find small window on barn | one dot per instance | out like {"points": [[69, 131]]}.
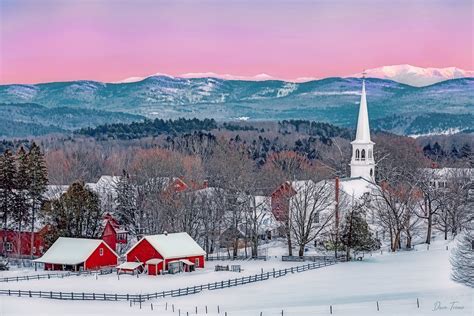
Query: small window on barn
{"points": [[101, 251], [34, 249], [196, 262], [8, 247]]}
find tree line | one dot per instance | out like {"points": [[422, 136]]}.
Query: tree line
{"points": [[23, 180]]}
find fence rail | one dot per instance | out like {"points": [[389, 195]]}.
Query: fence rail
{"points": [[310, 258], [56, 275], [172, 293], [228, 257]]}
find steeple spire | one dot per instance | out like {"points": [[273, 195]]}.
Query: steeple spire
{"points": [[362, 162], [363, 129]]}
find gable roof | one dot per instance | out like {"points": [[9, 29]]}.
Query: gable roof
{"points": [[176, 245], [356, 187], [71, 250]]}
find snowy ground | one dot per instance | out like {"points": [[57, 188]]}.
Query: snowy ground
{"points": [[394, 280]]}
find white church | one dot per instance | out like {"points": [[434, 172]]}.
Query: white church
{"points": [[349, 190]]}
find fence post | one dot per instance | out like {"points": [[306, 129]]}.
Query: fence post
{"points": [[151, 306], [281, 312], [206, 309], [166, 306], [330, 309], [172, 307], [378, 306], [218, 309], [417, 302]]}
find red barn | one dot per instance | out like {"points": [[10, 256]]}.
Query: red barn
{"points": [[18, 244], [171, 252], [113, 234], [78, 254], [281, 200]]}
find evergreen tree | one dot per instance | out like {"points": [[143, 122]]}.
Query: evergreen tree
{"points": [[76, 213], [355, 233], [37, 181], [22, 200], [7, 186], [462, 257], [126, 201]]}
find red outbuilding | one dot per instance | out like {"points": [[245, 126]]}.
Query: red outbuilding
{"points": [[167, 252], [18, 244], [113, 234], [78, 254]]}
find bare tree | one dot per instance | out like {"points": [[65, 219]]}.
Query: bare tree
{"points": [[310, 212]]}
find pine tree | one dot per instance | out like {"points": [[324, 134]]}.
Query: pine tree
{"points": [[7, 186], [38, 179], [126, 201], [462, 257], [22, 200], [76, 213], [355, 233]]}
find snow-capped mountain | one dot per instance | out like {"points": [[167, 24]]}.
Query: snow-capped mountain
{"points": [[416, 76], [406, 74], [194, 75]]}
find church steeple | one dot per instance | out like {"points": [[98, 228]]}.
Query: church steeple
{"points": [[363, 129], [362, 162]]}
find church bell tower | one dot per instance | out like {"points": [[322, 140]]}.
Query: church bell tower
{"points": [[362, 162]]}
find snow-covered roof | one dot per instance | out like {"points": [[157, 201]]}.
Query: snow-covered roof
{"points": [[55, 191], [445, 173], [356, 187], [175, 245], [154, 261], [71, 250], [129, 265]]}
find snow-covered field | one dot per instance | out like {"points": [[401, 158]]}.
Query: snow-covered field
{"points": [[394, 280]]}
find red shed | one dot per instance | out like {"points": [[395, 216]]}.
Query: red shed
{"points": [[78, 254], [170, 252], [113, 234]]}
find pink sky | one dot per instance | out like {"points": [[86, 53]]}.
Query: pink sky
{"points": [[105, 40]]}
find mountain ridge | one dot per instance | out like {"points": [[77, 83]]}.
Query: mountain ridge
{"points": [[333, 100]]}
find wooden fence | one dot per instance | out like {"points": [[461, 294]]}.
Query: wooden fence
{"points": [[228, 257], [56, 275], [310, 258], [172, 293]]}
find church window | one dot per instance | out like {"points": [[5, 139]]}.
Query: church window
{"points": [[362, 155], [370, 154], [371, 173], [357, 154]]}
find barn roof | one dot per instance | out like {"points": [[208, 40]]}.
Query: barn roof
{"points": [[176, 245], [71, 250]]}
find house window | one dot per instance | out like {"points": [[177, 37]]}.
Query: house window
{"points": [[316, 218], [101, 252], [8, 247]]}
